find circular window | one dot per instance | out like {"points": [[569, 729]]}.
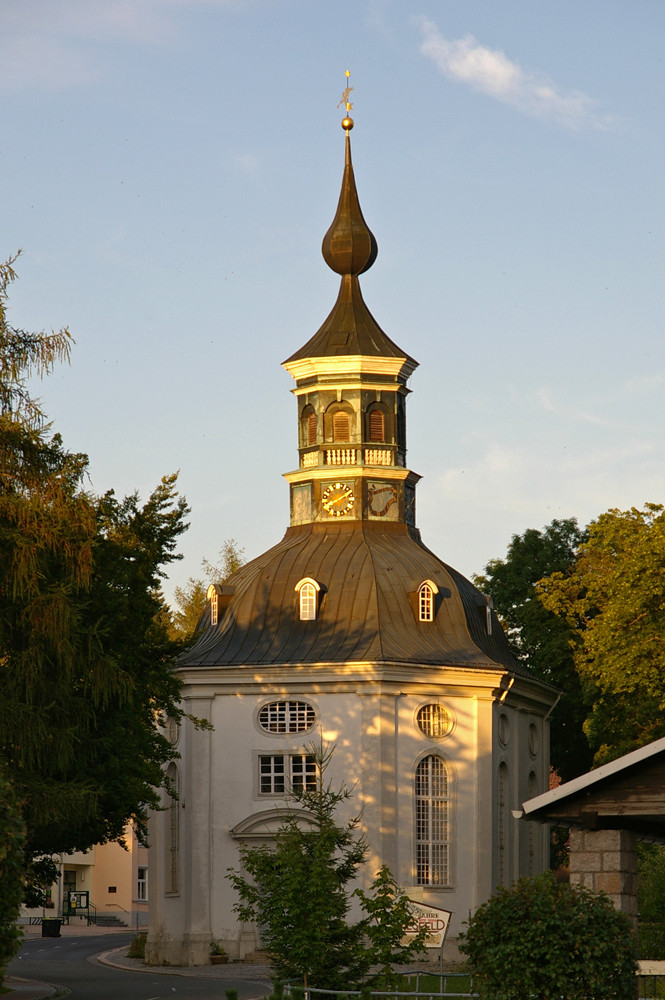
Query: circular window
{"points": [[287, 717], [172, 730], [434, 720]]}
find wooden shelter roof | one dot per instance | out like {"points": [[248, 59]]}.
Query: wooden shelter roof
{"points": [[626, 794]]}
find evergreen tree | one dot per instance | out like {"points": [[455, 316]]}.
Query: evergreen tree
{"points": [[190, 600], [85, 653]]}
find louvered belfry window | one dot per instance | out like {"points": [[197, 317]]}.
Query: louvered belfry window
{"points": [[432, 822], [376, 426], [311, 428], [341, 426]]}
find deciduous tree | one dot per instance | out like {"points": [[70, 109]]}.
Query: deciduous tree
{"points": [[613, 602], [190, 599], [538, 637]]}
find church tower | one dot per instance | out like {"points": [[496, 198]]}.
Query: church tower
{"points": [[351, 392], [349, 630]]}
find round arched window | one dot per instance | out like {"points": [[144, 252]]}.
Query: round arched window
{"points": [[287, 717], [434, 720]]}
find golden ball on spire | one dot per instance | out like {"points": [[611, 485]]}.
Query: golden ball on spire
{"points": [[347, 124]]}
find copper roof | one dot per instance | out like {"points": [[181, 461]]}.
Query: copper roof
{"points": [[349, 248], [369, 575]]}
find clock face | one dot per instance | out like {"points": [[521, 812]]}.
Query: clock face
{"points": [[338, 499]]}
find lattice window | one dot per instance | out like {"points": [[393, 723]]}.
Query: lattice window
{"points": [[287, 717], [142, 883], [434, 720], [173, 862], [426, 603], [377, 426], [432, 822], [279, 773], [307, 602]]}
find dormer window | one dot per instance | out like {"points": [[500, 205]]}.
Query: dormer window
{"points": [[213, 597], [308, 595], [426, 594]]}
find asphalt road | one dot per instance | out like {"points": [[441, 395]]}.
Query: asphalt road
{"points": [[70, 962]]}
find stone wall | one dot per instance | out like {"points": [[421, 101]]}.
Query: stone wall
{"points": [[606, 861]]}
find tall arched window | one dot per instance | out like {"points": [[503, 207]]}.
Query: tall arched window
{"points": [[341, 427], [503, 858], [432, 792], [213, 597], [377, 430], [173, 814]]}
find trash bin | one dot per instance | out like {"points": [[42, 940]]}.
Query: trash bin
{"points": [[51, 927]]}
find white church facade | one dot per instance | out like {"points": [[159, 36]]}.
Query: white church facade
{"points": [[351, 631]]}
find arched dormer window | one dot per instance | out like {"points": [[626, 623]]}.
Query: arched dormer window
{"points": [[377, 425], [426, 594], [308, 594], [213, 597]]}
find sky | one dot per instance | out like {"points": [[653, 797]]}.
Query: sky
{"points": [[169, 168]]}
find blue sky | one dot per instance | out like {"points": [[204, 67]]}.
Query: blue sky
{"points": [[169, 168]]}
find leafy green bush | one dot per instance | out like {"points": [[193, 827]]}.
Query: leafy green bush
{"points": [[546, 939], [651, 900], [12, 836], [137, 947]]}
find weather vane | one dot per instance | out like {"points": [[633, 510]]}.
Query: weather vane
{"points": [[347, 123]]}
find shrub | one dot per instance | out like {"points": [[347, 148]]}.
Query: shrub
{"points": [[545, 939], [137, 946]]}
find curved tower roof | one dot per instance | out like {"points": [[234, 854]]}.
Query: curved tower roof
{"points": [[353, 539]]}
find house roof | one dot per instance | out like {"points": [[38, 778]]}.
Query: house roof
{"points": [[369, 574], [628, 793]]}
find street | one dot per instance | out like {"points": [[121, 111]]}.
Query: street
{"points": [[70, 962]]}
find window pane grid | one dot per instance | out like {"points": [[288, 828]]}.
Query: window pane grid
{"points": [[277, 771], [426, 604], [287, 717], [432, 789], [433, 720]]}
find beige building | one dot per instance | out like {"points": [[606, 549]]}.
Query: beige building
{"points": [[350, 629], [107, 884]]}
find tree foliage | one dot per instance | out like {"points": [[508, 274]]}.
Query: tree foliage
{"points": [[12, 836], [85, 652], [613, 602], [547, 939], [297, 890], [538, 637], [190, 599]]}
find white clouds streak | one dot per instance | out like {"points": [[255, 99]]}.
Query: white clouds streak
{"points": [[491, 72]]}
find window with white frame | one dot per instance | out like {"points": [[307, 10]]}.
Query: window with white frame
{"points": [[281, 773], [142, 883], [308, 598], [432, 793], [213, 597], [287, 717], [426, 592], [434, 720]]}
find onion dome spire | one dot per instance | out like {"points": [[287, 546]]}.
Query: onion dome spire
{"points": [[349, 248]]}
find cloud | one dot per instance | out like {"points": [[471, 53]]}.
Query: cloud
{"points": [[491, 72]]}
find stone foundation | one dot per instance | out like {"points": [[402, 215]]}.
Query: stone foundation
{"points": [[606, 861]]}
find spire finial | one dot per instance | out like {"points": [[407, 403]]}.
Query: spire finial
{"points": [[347, 122]]}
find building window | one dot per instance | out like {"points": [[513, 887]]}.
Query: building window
{"points": [[434, 720], [142, 883], [281, 773], [341, 427], [503, 859], [432, 822], [426, 593], [308, 596], [213, 597], [287, 717], [376, 426], [311, 428], [173, 813]]}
